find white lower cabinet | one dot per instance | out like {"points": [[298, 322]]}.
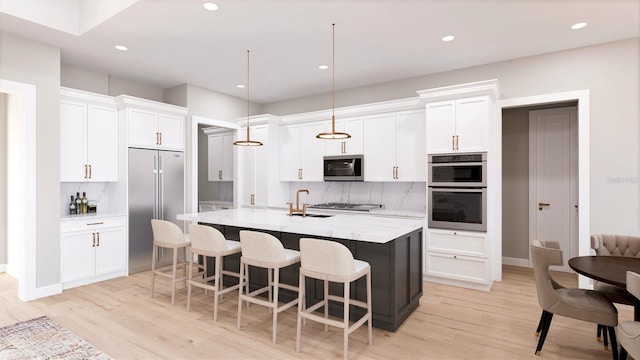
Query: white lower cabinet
{"points": [[460, 256], [92, 249]]}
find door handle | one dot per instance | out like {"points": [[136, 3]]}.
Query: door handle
{"points": [[541, 205], [220, 174], [94, 240]]}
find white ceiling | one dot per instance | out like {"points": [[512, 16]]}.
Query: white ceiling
{"points": [[172, 42]]}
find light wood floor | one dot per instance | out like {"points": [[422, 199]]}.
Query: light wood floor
{"points": [[120, 318]]}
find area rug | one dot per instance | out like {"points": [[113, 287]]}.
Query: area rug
{"points": [[43, 338]]}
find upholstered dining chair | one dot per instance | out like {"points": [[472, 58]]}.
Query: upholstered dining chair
{"points": [[330, 261], [614, 245], [263, 250], [169, 236], [209, 242], [579, 304], [629, 331]]}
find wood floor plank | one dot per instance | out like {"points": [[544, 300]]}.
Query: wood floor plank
{"points": [[120, 318]]}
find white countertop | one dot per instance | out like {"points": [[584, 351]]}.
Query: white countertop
{"points": [[376, 229]]}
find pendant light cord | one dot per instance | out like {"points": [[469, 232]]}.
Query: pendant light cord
{"points": [[248, 139], [333, 81]]}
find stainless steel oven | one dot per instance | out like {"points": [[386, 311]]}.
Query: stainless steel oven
{"points": [[458, 169], [458, 208]]}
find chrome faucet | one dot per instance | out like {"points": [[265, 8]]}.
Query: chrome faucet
{"points": [[297, 209]]}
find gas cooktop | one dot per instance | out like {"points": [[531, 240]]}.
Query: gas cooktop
{"points": [[347, 206]]}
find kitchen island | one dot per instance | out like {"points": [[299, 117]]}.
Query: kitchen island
{"points": [[393, 247]]}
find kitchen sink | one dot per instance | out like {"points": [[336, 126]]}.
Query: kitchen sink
{"points": [[314, 215]]}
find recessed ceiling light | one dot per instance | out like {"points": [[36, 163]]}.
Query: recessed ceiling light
{"points": [[121, 47], [240, 86], [210, 6], [579, 25], [448, 38], [323, 67]]}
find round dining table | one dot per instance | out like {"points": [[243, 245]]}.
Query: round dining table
{"points": [[609, 269]]}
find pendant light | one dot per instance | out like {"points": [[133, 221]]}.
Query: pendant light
{"points": [[248, 141], [333, 134]]}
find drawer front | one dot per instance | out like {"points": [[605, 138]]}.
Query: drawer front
{"points": [[457, 267], [92, 223], [458, 242]]}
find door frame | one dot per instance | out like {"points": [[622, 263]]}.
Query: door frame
{"points": [[582, 96]]}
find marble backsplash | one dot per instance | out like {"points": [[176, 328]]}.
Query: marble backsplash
{"points": [[406, 196]]}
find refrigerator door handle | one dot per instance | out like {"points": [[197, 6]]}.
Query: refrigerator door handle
{"points": [[160, 192], [155, 186]]}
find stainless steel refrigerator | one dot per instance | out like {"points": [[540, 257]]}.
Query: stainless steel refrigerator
{"points": [[156, 191]]}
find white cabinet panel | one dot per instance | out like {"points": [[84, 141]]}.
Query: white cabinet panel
{"points": [[458, 125], [301, 152], [394, 146], [355, 144], [254, 165], [88, 141], [155, 129], [92, 249], [458, 267], [458, 242], [171, 130], [220, 157]]}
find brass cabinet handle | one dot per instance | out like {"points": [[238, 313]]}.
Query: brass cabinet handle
{"points": [[344, 147], [253, 199], [157, 139], [160, 139], [98, 237], [397, 173], [95, 223], [457, 143], [220, 174], [453, 142], [94, 240], [541, 205], [300, 174], [89, 171], [85, 171]]}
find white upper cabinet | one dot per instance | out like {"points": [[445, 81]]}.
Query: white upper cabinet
{"points": [[394, 146], [458, 116], [301, 153], [88, 137], [220, 157], [254, 165], [354, 145], [154, 125], [458, 125]]}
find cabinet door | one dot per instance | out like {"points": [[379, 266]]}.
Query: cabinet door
{"points": [[290, 154], [441, 126], [220, 161], [171, 129], [355, 144], [77, 259], [411, 159], [102, 143], [472, 116], [262, 167], [73, 141], [253, 167], [380, 147], [143, 128], [110, 250], [312, 150]]}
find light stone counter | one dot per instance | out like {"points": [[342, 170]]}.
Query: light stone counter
{"points": [[374, 229]]}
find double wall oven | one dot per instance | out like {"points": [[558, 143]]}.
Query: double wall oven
{"points": [[458, 191]]}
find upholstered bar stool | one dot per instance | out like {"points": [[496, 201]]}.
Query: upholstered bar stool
{"points": [[209, 242], [265, 251], [169, 235], [331, 261]]}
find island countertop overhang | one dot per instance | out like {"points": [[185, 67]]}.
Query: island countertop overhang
{"points": [[374, 229]]}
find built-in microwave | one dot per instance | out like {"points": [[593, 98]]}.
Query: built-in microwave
{"points": [[344, 168], [458, 208], [469, 170]]}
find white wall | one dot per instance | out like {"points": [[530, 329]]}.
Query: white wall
{"points": [[612, 74], [3, 178], [27, 61]]}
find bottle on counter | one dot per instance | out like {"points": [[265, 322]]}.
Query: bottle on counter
{"points": [[78, 203], [84, 202], [72, 206]]}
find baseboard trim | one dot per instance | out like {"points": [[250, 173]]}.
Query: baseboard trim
{"points": [[515, 262]]}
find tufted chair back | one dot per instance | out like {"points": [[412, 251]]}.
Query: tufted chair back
{"points": [[616, 245]]}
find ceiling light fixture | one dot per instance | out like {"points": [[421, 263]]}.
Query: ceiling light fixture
{"points": [[333, 134], [210, 6], [578, 26], [448, 38], [248, 141], [240, 86], [121, 47], [323, 67]]}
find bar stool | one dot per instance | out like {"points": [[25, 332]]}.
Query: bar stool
{"points": [[266, 251], [209, 242], [331, 261], [169, 235]]}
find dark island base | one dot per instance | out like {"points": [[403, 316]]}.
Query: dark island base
{"points": [[396, 275]]}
